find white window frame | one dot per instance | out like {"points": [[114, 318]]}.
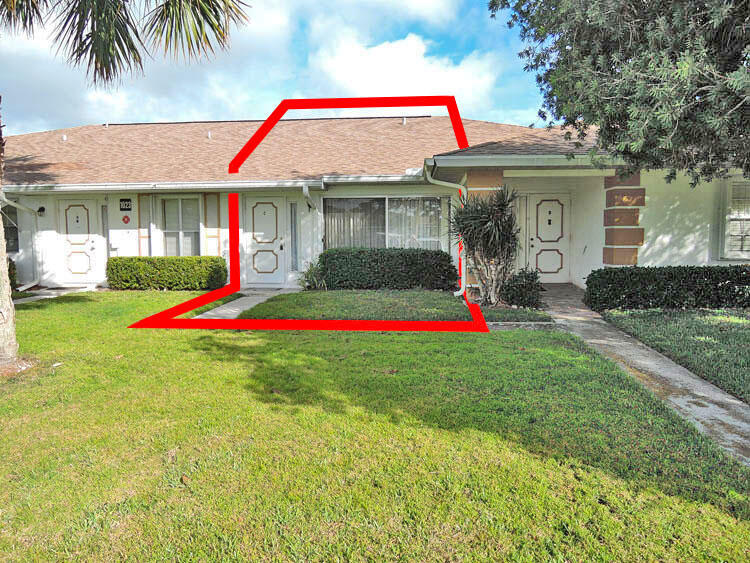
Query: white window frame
{"points": [[13, 253], [181, 231], [727, 209], [443, 217]]}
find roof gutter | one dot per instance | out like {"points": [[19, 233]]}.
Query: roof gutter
{"points": [[542, 160], [213, 185], [461, 187]]}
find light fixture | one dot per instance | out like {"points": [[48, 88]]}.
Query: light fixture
{"points": [[40, 211]]}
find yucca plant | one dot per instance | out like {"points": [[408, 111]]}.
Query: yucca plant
{"points": [[488, 228], [109, 38]]}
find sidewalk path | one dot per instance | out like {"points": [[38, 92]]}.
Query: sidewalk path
{"points": [[716, 413], [251, 298]]}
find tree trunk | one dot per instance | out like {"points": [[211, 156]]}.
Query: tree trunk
{"points": [[8, 344]]}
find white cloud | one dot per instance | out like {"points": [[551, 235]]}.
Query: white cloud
{"points": [[404, 68]]}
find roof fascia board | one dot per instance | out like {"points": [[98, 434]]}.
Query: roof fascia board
{"points": [[517, 160], [160, 186], [213, 186]]}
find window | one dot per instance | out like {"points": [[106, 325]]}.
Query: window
{"points": [[293, 223], [355, 222], [10, 225], [737, 233], [181, 227], [413, 222]]}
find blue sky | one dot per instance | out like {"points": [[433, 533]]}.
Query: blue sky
{"points": [[290, 49]]}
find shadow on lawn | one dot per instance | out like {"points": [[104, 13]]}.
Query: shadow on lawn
{"points": [[547, 393], [71, 298]]}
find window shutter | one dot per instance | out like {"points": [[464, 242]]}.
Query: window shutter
{"points": [[212, 224], [144, 225]]}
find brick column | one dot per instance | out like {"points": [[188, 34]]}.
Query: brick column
{"points": [[623, 236]]}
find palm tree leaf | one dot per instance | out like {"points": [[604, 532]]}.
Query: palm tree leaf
{"points": [[22, 14], [192, 27], [101, 33]]}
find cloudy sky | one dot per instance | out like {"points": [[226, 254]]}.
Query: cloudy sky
{"points": [[289, 49]]}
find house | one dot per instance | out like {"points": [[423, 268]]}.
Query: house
{"points": [[74, 197]]}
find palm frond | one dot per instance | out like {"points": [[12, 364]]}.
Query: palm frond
{"points": [[102, 34], [192, 27], [22, 14]]}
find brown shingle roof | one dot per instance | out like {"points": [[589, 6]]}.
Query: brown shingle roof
{"points": [[295, 149], [528, 142]]}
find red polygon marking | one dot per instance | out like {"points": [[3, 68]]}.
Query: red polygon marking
{"points": [[166, 318]]}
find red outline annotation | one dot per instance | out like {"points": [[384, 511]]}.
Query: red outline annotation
{"points": [[166, 318]]}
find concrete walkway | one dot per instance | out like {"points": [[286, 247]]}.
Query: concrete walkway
{"points": [[717, 414], [250, 298]]}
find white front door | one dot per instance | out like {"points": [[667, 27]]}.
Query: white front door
{"points": [[264, 240], [84, 255], [548, 237]]}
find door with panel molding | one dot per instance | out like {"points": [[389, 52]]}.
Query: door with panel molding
{"points": [[548, 237], [85, 252], [264, 240]]}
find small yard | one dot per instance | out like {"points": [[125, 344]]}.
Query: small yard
{"points": [[205, 445], [714, 344], [404, 305]]}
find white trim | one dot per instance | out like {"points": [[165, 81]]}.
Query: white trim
{"points": [[515, 160], [228, 185], [726, 210]]}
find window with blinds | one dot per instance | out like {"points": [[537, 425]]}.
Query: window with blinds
{"points": [[737, 235], [386, 222]]}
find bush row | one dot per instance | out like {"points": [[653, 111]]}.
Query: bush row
{"points": [[670, 287], [385, 268], [166, 272]]}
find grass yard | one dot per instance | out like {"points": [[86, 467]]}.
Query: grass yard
{"points": [[403, 305], [714, 344], [203, 445]]}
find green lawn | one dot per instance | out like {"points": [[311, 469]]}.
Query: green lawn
{"points": [[404, 305], [714, 344], [193, 444]]}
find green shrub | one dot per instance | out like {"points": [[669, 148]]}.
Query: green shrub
{"points": [[523, 289], [312, 276], [166, 272], [387, 268], [671, 287], [12, 274]]}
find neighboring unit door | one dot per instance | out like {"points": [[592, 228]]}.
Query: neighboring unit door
{"points": [[84, 259], [548, 236], [264, 240]]}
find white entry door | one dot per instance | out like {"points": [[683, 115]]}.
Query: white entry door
{"points": [[548, 237], [264, 240], [85, 252]]}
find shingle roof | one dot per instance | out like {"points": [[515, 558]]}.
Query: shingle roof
{"points": [[527, 142], [295, 149]]}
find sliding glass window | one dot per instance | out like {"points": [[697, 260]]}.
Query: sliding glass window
{"points": [[355, 222], [415, 222]]}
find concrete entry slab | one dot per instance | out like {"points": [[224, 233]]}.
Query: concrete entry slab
{"points": [[250, 298], [714, 412]]}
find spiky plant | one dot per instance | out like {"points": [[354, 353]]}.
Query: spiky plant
{"points": [[488, 228]]}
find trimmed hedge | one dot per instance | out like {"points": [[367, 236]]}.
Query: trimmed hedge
{"points": [[523, 289], [670, 287], [166, 272], [387, 268]]}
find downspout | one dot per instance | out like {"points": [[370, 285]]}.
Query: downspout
{"points": [[461, 187], [310, 201], [35, 280]]}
